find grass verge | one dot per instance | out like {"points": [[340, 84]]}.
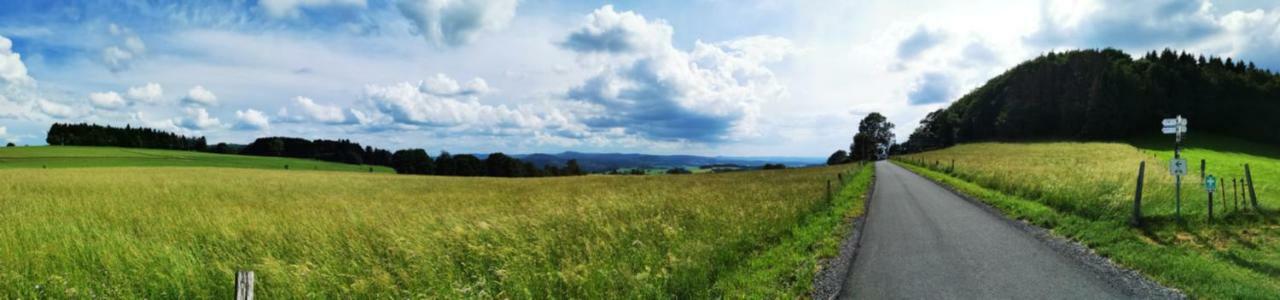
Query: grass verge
{"points": [[787, 270]]}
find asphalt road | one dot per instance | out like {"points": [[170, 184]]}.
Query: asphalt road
{"points": [[921, 241]]}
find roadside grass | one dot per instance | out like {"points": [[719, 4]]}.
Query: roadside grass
{"points": [[177, 232], [787, 270], [82, 157], [1084, 191]]}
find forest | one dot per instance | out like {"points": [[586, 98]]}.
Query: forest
{"points": [[1108, 95], [128, 137], [406, 161]]}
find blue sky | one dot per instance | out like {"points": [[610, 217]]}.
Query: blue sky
{"points": [[714, 77]]}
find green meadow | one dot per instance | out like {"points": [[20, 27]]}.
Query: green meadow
{"points": [[83, 157], [1085, 191], [144, 231]]}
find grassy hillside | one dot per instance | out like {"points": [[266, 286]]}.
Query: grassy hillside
{"points": [[183, 232], [1085, 191], [79, 157]]}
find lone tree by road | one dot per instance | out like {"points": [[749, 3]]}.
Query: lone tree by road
{"points": [[875, 135]]}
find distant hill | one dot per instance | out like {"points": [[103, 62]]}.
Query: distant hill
{"points": [[597, 162], [1109, 95]]}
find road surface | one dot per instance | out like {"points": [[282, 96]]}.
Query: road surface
{"points": [[921, 241]]}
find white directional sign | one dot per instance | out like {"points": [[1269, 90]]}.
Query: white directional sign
{"points": [[1174, 122], [1178, 167], [1174, 129]]}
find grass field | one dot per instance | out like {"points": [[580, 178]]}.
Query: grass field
{"points": [[81, 157], [1084, 191], [179, 232]]}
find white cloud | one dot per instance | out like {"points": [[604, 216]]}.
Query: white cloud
{"points": [[407, 103], [710, 94], [198, 119], [149, 93], [56, 110], [291, 8], [12, 70], [128, 47], [321, 113], [107, 100], [606, 30], [4, 131], [200, 96], [457, 22], [443, 85], [251, 119]]}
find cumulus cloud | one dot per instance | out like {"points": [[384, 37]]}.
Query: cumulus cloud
{"points": [[919, 41], [443, 85], [1129, 24], [1254, 35], [710, 94], [56, 110], [107, 100], [251, 119], [411, 104], [198, 119], [149, 93], [292, 8], [322, 113], [606, 30], [198, 95], [457, 22], [127, 47], [4, 131], [932, 88], [12, 70]]}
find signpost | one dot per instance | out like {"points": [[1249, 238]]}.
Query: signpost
{"points": [[1210, 184], [1178, 166]]}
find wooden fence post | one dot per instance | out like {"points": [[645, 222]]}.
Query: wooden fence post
{"points": [[1248, 178], [1235, 194], [244, 285], [1137, 196]]}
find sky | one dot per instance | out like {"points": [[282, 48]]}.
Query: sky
{"points": [[705, 77]]}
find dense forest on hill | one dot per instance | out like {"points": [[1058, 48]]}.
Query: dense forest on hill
{"points": [[1105, 95], [128, 137]]}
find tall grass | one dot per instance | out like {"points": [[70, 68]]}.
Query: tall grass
{"points": [[81, 157], [1085, 191], [183, 232]]}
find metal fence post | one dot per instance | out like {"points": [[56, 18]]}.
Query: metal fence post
{"points": [[244, 285]]}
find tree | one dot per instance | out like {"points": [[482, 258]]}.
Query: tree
{"points": [[10, 145], [445, 165], [571, 168], [411, 161], [839, 157], [874, 136], [678, 171], [774, 166]]}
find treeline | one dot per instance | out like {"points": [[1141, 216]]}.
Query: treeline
{"points": [[1105, 95], [85, 134], [407, 161]]}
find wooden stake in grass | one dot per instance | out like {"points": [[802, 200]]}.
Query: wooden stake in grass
{"points": [[244, 285], [1248, 177], [1137, 196]]}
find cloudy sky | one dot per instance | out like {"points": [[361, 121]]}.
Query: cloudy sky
{"points": [[712, 77]]}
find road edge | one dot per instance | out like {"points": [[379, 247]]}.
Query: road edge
{"points": [[1128, 281], [829, 282]]}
